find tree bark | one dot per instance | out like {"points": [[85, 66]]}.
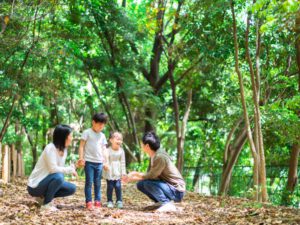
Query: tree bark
{"points": [[297, 44], [124, 3], [197, 173], [153, 76], [293, 164], [30, 140], [233, 154], [242, 92], [292, 175], [14, 157], [5, 163], [227, 145], [255, 84], [6, 123], [183, 132]]}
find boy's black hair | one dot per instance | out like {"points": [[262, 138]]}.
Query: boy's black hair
{"points": [[152, 140], [100, 118], [60, 135]]}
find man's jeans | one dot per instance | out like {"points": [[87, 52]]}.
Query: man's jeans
{"points": [[93, 173], [111, 185], [51, 187], [159, 191]]}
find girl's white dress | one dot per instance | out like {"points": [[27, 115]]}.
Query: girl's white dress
{"points": [[116, 164]]}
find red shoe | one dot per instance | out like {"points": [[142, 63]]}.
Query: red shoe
{"points": [[89, 205], [98, 204]]}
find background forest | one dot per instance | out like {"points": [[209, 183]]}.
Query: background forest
{"points": [[219, 81]]}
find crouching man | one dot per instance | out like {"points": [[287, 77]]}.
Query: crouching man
{"points": [[163, 183]]}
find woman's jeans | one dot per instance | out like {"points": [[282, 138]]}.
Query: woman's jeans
{"points": [[160, 191], [93, 173], [111, 185], [51, 187]]}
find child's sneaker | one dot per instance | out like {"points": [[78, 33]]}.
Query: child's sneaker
{"points": [[110, 204], [98, 204], [119, 204], [89, 205]]}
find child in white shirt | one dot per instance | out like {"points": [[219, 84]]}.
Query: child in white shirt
{"points": [[91, 155], [116, 169]]}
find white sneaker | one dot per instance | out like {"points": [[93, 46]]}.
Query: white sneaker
{"points": [[110, 204], [50, 207], [168, 207], [119, 204]]}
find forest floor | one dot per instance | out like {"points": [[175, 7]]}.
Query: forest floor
{"points": [[17, 207]]}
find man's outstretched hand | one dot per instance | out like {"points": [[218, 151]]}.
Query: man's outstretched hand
{"points": [[132, 176]]}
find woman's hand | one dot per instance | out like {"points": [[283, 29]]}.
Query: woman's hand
{"points": [[75, 174]]}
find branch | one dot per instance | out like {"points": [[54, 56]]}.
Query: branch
{"points": [[6, 123], [176, 20], [188, 71], [163, 79], [25, 128], [186, 114], [233, 129]]}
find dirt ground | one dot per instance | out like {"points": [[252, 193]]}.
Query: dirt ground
{"points": [[17, 207]]}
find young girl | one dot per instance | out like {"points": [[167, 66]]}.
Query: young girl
{"points": [[116, 169]]}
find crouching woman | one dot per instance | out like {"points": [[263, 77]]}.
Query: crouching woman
{"points": [[46, 181]]}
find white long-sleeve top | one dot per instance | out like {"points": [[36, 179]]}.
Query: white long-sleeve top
{"points": [[116, 164], [49, 162]]}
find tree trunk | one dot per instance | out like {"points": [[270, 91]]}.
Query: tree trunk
{"points": [[6, 123], [183, 132], [5, 164], [227, 145], [149, 120], [129, 117], [197, 173], [233, 155], [155, 81], [297, 44], [30, 140], [14, 157], [293, 166], [19, 132], [21, 169], [292, 175], [176, 118], [124, 3], [255, 84], [242, 92]]}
